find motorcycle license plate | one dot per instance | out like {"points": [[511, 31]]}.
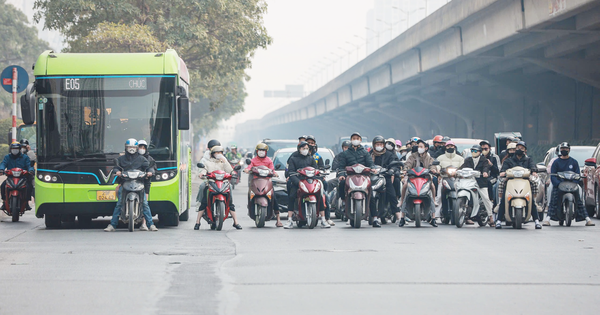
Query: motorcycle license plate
{"points": [[106, 195]]}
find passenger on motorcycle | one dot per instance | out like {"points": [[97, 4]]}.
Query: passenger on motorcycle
{"points": [[331, 184], [479, 162], [384, 156], [419, 157], [299, 160], [521, 159], [206, 156], [565, 164], [143, 151], [261, 159], [15, 159], [301, 139], [403, 153], [511, 148], [131, 160], [495, 166], [437, 148], [216, 162], [506, 152]]}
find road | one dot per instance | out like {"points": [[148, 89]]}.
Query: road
{"points": [[274, 271]]}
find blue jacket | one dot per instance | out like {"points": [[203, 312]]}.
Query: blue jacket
{"points": [[563, 165], [12, 161]]}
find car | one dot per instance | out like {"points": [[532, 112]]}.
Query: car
{"points": [[275, 145], [282, 155], [591, 183]]}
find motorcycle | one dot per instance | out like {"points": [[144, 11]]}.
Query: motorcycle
{"points": [[236, 180], [260, 201], [378, 182], [219, 194], [569, 188], [448, 194], [358, 193], [132, 197], [335, 202], [16, 193], [469, 204], [418, 197], [310, 190], [517, 194]]}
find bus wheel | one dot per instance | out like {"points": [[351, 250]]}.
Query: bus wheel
{"points": [[52, 221], [185, 215]]}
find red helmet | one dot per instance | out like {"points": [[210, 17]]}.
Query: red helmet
{"points": [[438, 138]]}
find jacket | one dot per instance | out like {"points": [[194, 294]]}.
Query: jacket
{"points": [[16, 161], [436, 152], [483, 166], [258, 161], [213, 164], [425, 161], [298, 161], [131, 162], [496, 165], [354, 155], [514, 161], [448, 159], [385, 159], [563, 165]]}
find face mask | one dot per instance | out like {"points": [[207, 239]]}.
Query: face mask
{"points": [[486, 152], [356, 143], [142, 151], [131, 150], [304, 152], [379, 148], [421, 150], [450, 150], [14, 151], [564, 152], [475, 154], [414, 149], [261, 154], [389, 147], [218, 156], [519, 152], [511, 154], [23, 150]]}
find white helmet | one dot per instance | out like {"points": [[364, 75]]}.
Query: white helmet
{"points": [[142, 142], [131, 146]]}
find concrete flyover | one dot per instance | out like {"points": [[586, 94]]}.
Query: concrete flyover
{"points": [[470, 69]]}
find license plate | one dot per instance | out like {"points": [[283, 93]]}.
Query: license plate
{"points": [[106, 195]]}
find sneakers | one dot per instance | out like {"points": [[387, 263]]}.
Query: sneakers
{"points": [[331, 222], [546, 223], [289, 224], [237, 226], [376, 223], [590, 223], [498, 224], [324, 224], [197, 226], [402, 222], [153, 228], [433, 222], [143, 227], [538, 226], [109, 228]]}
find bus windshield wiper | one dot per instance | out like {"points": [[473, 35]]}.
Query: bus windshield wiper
{"points": [[73, 161]]}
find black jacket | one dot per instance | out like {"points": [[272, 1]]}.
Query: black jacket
{"points": [[495, 168], [385, 159], [336, 162], [525, 162], [434, 153], [483, 167], [354, 155], [298, 161], [151, 169], [131, 162]]}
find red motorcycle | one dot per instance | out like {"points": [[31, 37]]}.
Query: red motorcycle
{"points": [[16, 193], [219, 194], [310, 197], [260, 195], [358, 193], [417, 195]]}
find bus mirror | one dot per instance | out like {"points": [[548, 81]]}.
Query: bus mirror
{"points": [[183, 113], [28, 105]]}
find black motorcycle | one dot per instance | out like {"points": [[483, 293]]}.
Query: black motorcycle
{"points": [[569, 188], [132, 197]]}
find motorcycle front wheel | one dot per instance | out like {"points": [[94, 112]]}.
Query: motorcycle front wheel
{"points": [[14, 208], [459, 212], [311, 215], [417, 215], [220, 213], [260, 216], [130, 206], [518, 222], [358, 214], [569, 212]]}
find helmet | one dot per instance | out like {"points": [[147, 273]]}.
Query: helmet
{"points": [[511, 145], [311, 138], [233, 146], [213, 143], [131, 146], [485, 142], [346, 143], [216, 148], [15, 145], [450, 142], [24, 142], [437, 138], [422, 141], [445, 139], [476, 147], [261, 146], [142, 142], [302, 137], [564, 145], [377, 139], [403, 148], [414, 139], [390, 140], [398, 143], [523, 144], [355, 134], [301, 144]]}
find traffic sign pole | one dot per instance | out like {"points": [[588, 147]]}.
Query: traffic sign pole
{"points": [[15, 77]]}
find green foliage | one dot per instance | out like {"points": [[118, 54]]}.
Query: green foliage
{"points": [[20, 44], [216, 39], [5, 125]]}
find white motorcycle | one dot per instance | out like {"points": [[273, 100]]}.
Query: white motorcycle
{"points": [[469, 204]]}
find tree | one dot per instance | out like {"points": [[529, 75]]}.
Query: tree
{"points": [[216, 38], [20, 44]]}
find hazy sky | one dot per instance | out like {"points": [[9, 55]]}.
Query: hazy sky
{"points": [[304, 33]]}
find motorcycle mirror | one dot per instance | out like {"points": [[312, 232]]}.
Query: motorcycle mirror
{"points": [[248, 161], [435, 163], [327, 166], [327, 162], [541, 169], [278, 166], [249, 155], [200, 165], [237, 167]]}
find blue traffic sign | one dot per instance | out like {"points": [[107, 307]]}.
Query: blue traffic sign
{"points": [[6, 79]]}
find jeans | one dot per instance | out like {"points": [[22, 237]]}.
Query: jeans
{"points": [[145, 211]]}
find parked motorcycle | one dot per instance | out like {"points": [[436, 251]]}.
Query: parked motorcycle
{"points": [[569, 187], [16, 193], [469, 204], [517, 194], [132, 197], [219, 194], [418, 200], [358, 193], [310, 190], [260, 193], [448, 194]]}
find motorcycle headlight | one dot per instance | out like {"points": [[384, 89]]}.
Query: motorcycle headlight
{"points": [[16, 173], [518, 174], [263, 173], [358, 169], [310, 173], [425, 189], [219, 176], [412, 190]]}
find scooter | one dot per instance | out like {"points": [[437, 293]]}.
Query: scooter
{"points": [[469, 204], [219, 194], [132, 197], [236, 180], [517, 194], [418, 198], [358, 193], [448, 194], [335, 202], [378, 181], [569, 187], [310, 197], [260, 195], [16, 193]]}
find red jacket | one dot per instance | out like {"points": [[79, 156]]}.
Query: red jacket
{"points": [[258, 161]]}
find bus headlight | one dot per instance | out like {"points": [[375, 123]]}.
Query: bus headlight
{"points": [[47, 178], [164, 176]]}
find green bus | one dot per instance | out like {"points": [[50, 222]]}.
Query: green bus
{"points": [[85, 107]]}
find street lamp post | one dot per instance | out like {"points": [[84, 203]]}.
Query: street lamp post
{"points": [[388, 24], [377, 35], [349, 52], [357, 48], [366, 46], [341, 59]]}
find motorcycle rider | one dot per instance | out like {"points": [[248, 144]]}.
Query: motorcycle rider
{"points": [[494, 161], [564, 164], [383, 156], [478, 162], [206, 156], [511, 148], [331, 184], [216, 162], [403, 153], [299, 160], [261, 158], [448, 159], [301, 139], [234, 154], [15, 159], [143, 150], [546, 221], [419, 157], [521, 159], [437, 148], [509, 140], [26, 150], [131, 160]]}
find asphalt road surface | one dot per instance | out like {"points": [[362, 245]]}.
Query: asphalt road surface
{"points": [[274, 271]]}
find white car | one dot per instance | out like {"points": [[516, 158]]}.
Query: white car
{"points": [[282, 155]]}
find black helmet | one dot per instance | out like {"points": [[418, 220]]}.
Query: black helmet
{"points": [[564, 145], [213, 143], [24, 142], [476, 147], [301, 144], [346, 143], [302, 137], [355, 134], [377, 139], [484, 142], [311, 138], [422, 141], [523, 144], [446, 139]]}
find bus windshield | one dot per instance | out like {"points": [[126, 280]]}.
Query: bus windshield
{"points": [[94, 115]]}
